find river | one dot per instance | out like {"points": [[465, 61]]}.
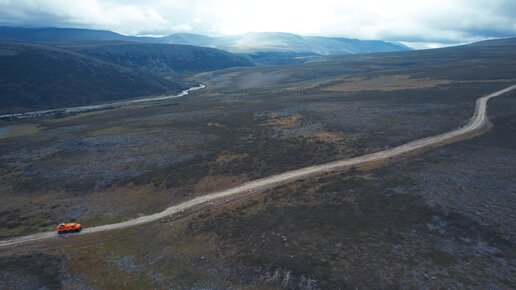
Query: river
{"points": [[35, 114]]}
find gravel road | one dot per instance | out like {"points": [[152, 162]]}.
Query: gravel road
{"points": [[478, 122]]}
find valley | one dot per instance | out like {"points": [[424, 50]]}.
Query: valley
{"points": [[434, 218]]}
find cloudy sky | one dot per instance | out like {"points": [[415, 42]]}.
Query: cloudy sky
{"points": [[419, 23]]}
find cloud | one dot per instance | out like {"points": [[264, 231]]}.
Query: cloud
{"points": [[125, 18], [432, 22]]}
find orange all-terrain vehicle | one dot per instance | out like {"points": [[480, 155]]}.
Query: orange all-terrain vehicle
{"points": [[68, 228]]}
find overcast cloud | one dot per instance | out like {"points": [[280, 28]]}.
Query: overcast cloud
{"points": [[420, 23]]}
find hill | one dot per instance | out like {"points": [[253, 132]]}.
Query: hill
{"points": [[248, 43], [163, 59], [254, 42], [54, 34], [39, 77]]}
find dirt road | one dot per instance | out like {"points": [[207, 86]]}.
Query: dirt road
{"points": [[477, 122]]}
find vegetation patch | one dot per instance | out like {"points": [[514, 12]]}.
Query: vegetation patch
{"points": [[31, 271], [214, 183], [14, 222], [384, 83], [329, 137], [112, 131], [19, 130], [284, 121], [228, 157]]}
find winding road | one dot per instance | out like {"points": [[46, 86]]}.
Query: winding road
{"points": [[478, 122]]}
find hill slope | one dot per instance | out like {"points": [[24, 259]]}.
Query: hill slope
{"points": [[52, 34], [492, 59], [163, 59], [39, 76]]}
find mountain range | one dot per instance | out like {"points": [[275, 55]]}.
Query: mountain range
{"points": [[254, 42], [248, 43]]}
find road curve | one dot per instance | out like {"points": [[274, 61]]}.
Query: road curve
{"points": [[477, 122]]}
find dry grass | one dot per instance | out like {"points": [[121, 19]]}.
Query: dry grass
{"points": [[111, 131], [93, 267], [328, 137], [83, 115], [225, 158], [384, 83], [284, 121]]}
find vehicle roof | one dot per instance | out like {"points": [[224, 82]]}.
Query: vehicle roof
{"points": [[68, 224]]}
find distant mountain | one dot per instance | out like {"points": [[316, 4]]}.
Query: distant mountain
{"points": [[188, 39], [248, 43], [254, 42], [339, 46], [52, 34], [162, 59], [40, 76]]}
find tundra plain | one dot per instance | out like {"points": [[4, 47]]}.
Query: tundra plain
{"points": [[440, 218]]}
